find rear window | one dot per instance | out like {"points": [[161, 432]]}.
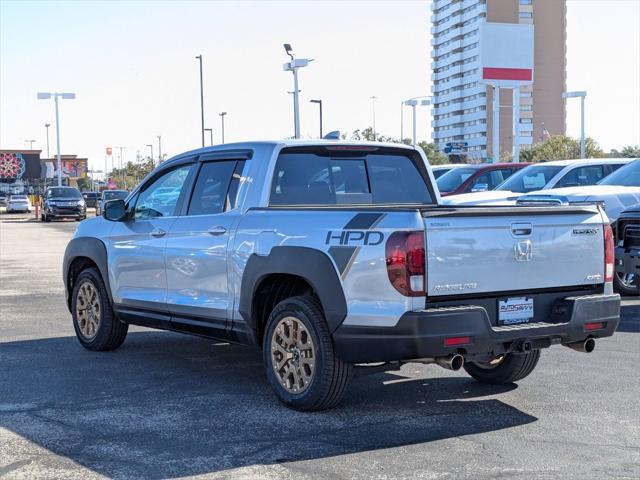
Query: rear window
{"points": [[627, 176], [452, 180], [114, 195], [368, 179], [18, 197], [529, 179]]}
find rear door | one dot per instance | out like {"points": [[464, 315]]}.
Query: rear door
{"points": [[496, 250], [196, 250]]}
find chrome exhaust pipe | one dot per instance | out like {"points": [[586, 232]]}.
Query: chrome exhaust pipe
{"points": [[452, 362], [586, 346]]}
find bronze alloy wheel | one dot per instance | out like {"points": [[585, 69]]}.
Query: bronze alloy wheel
{"points": [[293, 355], [88, 310]]}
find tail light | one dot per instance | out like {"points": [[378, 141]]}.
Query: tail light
{"points": [[609, 254], [406, 263]]}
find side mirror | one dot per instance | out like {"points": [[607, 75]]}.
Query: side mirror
{"points": [[114, 210]]}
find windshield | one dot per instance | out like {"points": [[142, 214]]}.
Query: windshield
{"points": [[64, 193], [627, 176], [451, 180], [529, 179], [114, 194], [18, 197]]}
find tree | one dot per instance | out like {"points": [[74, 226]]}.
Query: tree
{"points": [[630, 151], [433, 154], [558, 147]]}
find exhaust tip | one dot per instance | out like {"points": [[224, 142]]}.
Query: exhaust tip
{"points": [[589, 345], [457, 361]]}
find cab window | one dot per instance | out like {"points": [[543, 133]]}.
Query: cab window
{"points": [[160, 197], [216, 188], [587, 175]]}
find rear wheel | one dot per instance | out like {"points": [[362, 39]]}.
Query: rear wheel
{"points": [[507, 368], [95, 324], [300, 362], [627, 283]]}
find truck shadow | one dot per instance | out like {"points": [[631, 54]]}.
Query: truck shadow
{"points": [[629, 319], [166, 405]]}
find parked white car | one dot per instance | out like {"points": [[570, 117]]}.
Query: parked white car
{"points": [[439, 170], [18, 203], [616, 193], [543, 176]]}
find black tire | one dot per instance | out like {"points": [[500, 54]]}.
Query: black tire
{"points": [[47, 218], [626, 289], [511, 369], [330, 376], [110, 332]]}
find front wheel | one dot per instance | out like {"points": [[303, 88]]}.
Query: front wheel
{"points": [[95, 324], [507, 368], [300, 362]]}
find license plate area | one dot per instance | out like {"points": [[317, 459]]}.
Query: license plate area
{"points": [[515, 310]]}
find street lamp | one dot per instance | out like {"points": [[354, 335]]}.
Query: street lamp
{"points": [[373, 109], [46, 126], [199, 57], [210, 130], [151, 147], [64, 96], [30, 142], [579, 94], [413, 103], [222, 115], [293, 66], [319, 102]]}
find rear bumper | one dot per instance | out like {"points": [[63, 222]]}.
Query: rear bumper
{"points": [[422, 333], [627, 260]]}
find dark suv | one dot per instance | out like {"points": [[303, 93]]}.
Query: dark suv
{"points": [[91, 199], [628, 252], [63, 202]]}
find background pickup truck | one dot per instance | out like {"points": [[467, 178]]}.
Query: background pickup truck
{"points": [[330, 255]]}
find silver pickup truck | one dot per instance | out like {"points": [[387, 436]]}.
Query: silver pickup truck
{"points": [[331, 256]]}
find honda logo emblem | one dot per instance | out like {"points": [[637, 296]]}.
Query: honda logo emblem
{"points": [[524, 251]]}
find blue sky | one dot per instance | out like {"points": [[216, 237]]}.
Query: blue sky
{"points": [[132, 66]]}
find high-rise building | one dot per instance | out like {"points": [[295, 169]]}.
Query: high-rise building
{"points": [[462, 104]]}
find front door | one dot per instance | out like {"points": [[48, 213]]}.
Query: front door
{"points": [[196, 251], [137, 245]]}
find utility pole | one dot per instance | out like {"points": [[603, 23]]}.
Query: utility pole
{"points": [[46, 126], [159, 149], [373, 109], [222, 115], [199, 57], [319, 102], [293, 67]]}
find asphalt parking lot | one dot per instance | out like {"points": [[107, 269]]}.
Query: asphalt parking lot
{"points": [[168, 406]]}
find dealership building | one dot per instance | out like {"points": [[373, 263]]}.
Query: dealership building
{"points": [[462, 103]]}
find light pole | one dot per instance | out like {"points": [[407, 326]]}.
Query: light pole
{"points": [[580, 94], [373, 109], [210, 130], [30, 142], [413, 103], [319, 102], [222, 115], [64, 96], [151, 147], [122, 175], [402, 122], [293, 66], [199, 57], [159, 149], [46, 126]]}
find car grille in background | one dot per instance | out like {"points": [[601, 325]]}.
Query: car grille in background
{"points": [[631, 235]]}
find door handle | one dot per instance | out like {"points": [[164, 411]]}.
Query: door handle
{"points": [[219, 230], [158, 232]]}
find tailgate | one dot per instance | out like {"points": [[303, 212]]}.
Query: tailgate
{"points": [[480, 251]]}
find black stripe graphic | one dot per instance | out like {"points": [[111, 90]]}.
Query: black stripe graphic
{"points": [[363, 221], [342, 256]]}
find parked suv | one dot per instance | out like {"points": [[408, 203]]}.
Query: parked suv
{"points": [[91, 199], [330, 255], [63, 202], [111, 195], [627, 236]]}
